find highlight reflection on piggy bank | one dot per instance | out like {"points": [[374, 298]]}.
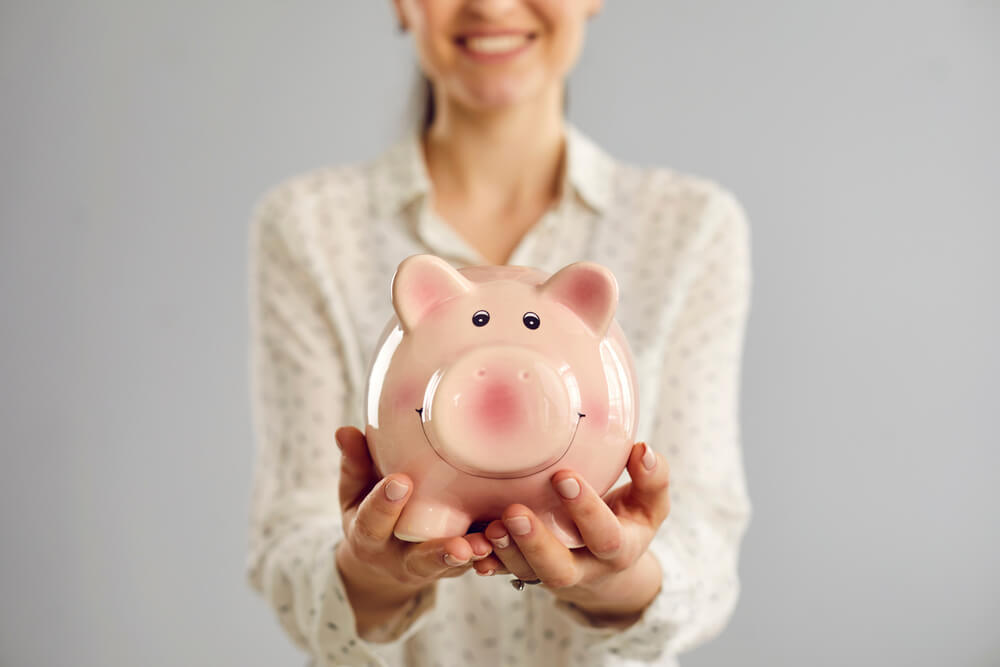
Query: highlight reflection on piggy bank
{"points": [[488, 381]]}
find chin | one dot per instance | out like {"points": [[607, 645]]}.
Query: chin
{"points": [[498, 94]]}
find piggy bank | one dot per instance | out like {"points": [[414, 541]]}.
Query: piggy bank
{"points": [[489, 380]]}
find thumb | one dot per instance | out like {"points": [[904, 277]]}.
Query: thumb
{"points": [[357, 472], [650, 487]]}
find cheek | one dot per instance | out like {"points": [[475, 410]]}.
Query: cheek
{"points": [[407, 396], [564, 23], [596, 409], [432, 28]]}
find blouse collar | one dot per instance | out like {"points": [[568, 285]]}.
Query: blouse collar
{"points": [[400, 174]]}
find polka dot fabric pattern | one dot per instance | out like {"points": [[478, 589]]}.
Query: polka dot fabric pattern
{"points": [[323, 248]]}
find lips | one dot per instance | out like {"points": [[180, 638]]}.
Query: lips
{"points": [[494, 44]]}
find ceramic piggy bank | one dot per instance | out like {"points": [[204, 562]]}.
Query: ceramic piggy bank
{"points": [[488, 381]]}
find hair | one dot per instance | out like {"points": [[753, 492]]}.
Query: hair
{"points": [[427, 116], [425, 107]]}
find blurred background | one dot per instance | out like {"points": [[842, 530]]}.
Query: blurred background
{"points": [[861, 136]]}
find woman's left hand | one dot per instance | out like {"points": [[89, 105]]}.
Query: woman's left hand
{"points": [[614, 576]]}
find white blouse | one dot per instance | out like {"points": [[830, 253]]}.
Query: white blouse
{"points": [[323, 249]]}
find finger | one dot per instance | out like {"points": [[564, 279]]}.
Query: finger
{"points": [[481, 547], [357, 473], [544, 553], [377, 515], [649, 490], [506, 550], [600, 528], [490, 566], [437, 558]]}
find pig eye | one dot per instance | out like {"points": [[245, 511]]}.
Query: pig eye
{"points": [[531, 320], [480, 318]]}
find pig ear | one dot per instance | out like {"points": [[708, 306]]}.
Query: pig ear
{"points": [[589, 290], [422, 282]]}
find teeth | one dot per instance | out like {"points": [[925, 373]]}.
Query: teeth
{"points": [[498, 44]]}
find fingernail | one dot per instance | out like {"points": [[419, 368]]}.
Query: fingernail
{"points": [[568, 488], [501, 542], [487, 573], [452, 561], [476, 556], [648, 457], [336, 439], [395, 490], [519, 525]]}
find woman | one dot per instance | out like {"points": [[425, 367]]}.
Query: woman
{"points": [[497, 175]]}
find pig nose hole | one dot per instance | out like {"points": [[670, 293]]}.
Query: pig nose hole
{"points": [[481, 373], [524, 375]]}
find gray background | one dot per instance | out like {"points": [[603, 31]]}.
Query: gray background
{"points": [[861, 136]]}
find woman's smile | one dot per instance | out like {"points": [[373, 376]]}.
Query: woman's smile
{"points": [[494, 46], [492, 55]]}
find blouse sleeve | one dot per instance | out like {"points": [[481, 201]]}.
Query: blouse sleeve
{"points": [[697, 431], [299, 399]]}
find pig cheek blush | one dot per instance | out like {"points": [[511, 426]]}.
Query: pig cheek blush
{"points": [[408, 394], [596, 410], [475, 391]]}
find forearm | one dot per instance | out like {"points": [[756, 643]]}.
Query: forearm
{"points": [[620, 599]]}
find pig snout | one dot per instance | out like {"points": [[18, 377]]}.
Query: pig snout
{"points": [[497, 404], [501, 411]]}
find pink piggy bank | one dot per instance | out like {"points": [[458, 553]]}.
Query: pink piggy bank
{"points": [[488, 381]]}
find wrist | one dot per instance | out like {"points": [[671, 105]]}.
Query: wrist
{"points": [[377, 600], [620, 598], [360, 575]]}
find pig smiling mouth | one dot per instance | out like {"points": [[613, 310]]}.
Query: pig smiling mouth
{"points": [[528, 473]]}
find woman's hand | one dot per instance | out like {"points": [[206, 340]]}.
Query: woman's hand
{"points": [[381, 573], [615, 577]]}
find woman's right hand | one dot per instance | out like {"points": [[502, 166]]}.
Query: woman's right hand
{"points": [[381, 573]]}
